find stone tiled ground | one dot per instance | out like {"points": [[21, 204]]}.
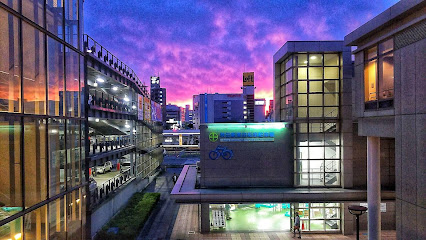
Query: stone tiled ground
{"points": [[186, 227]]}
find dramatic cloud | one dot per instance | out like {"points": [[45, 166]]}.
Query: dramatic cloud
{"points": [[205, 46]]}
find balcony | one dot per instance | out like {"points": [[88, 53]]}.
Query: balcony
{"points": [[100, 100]]}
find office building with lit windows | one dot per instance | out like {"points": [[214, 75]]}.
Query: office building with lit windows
{"points": [[43, 178]]}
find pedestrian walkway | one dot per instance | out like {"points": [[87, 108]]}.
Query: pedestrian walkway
{"points": [[160, 224], [186, 227]]}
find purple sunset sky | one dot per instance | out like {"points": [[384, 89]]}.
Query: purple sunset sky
{"points": [[203, 46]]}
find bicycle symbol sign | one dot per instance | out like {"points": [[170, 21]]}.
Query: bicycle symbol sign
{"points": [[213, 137], [221, 151]]}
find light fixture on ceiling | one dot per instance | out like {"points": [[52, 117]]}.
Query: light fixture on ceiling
{"points": [[313, 57], [126, 99], [115, 88], [127, 126], [101, 80], [305, 62], [134, 107], [95, 84], [97, 120]]}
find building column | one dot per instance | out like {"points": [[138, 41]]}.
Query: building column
{"points": [[205, 218], [373, 187]]}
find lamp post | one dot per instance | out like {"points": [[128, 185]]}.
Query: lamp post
{"points": [[357, 211]]}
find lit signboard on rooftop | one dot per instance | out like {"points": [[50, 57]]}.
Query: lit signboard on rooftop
{"points": [[259, 102]]}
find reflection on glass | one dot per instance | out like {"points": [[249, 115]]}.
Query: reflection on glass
{"points": [[331, 73], [315, 86], [57, 156], [55, 60], [34, 82], [57, 212], [54, 13], [82, 88], [10, 178], [371, 53], [315, 73], [289, 88], [331, 59], [10, 67], [71, 22], [35, 161], [11, 230], [386, 79], [33, 10], [36, 224], [315, 59], [74, 215], [386, 46], [72, 83], [73, 153]]}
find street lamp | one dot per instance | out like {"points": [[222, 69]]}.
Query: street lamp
{"points": [[357, 211]]}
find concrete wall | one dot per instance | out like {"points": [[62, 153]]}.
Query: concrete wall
{"points": [[102, 214], [253, 163]]}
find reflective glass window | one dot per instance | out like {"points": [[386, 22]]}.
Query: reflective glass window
{"points": [[14, 4], [289, 88], [54, 17], [10, 66], [72, 82], [386, 79], [315, 99], [73, 153], [10, 178], [34, 10], [56, 133], [36, 224], [35, 164], [315, 112], [302, 86], [331, 86], [71, 22], [11, 230], [315, 86], [302, 73], [371, 53], [57, 213], [74, 215], [386, 46], [301, 59], [34, 82], [55, 61], [289, 75]]}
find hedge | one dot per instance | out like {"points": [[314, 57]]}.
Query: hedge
{"points": [[131, 219]]}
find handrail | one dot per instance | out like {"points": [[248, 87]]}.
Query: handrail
{"points": [[110, 59]]}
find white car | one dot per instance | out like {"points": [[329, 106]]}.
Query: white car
{"points": [[104, 167]]}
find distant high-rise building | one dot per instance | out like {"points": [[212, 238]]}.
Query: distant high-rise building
{"points": [[259, 110], [158, 94]]}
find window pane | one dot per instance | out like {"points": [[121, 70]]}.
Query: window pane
{"points": [[289, 75], [331, 86], [302, 152], [36, 223], [301, 112], [316, 127], [332, 165], [34, 83], [315, 59], [289, 88], [371, 53], [317, 213], [10, 68], [282, 91], [386, 46], [329, 128], [301, 166], [331, 73], [301, 59], [289, 101], [332, 179], [316, 153], [55, 59], [35, 161], [386, 79], [302, 86], [315, 86], [288, 63], [282, 79], [332, 225], [301, 179], [74, 215], [331, 112], [34, 9], [57, 219], [317, 225], [316, 179], [10, 178], [72, 78], [332, 152], [302, 73], [315, 99], [73, 153], [71, 22], [332, 213], [11, 230], [331, 59], [302, 128], [331, 99], [282, 67], [316, 139], [12, 4], [82, 88], [302, 99], [54, 9], [57, 156], [282, 102], [302, 139], [315, 73], [315, 112]]}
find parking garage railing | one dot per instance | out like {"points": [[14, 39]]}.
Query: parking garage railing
{"points": [[98, 51], [105, 144], [101, 99], [100, 193]]}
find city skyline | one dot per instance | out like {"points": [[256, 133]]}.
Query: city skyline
{"points": [[199, 47]]}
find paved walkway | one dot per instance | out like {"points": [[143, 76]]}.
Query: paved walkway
{"points": [[160, 224], [186, 227]]}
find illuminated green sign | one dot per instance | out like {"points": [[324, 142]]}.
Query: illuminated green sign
{"points": [[213, 137], [244, 132]]}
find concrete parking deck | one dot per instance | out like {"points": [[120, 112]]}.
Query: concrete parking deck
{"points": [[186, 227]]}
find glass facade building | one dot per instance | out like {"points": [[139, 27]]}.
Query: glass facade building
{"points": [[309, 92], [42, 190]]}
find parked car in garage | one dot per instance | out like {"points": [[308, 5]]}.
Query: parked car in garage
{"points": [[104, 167], [124, 166]]}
